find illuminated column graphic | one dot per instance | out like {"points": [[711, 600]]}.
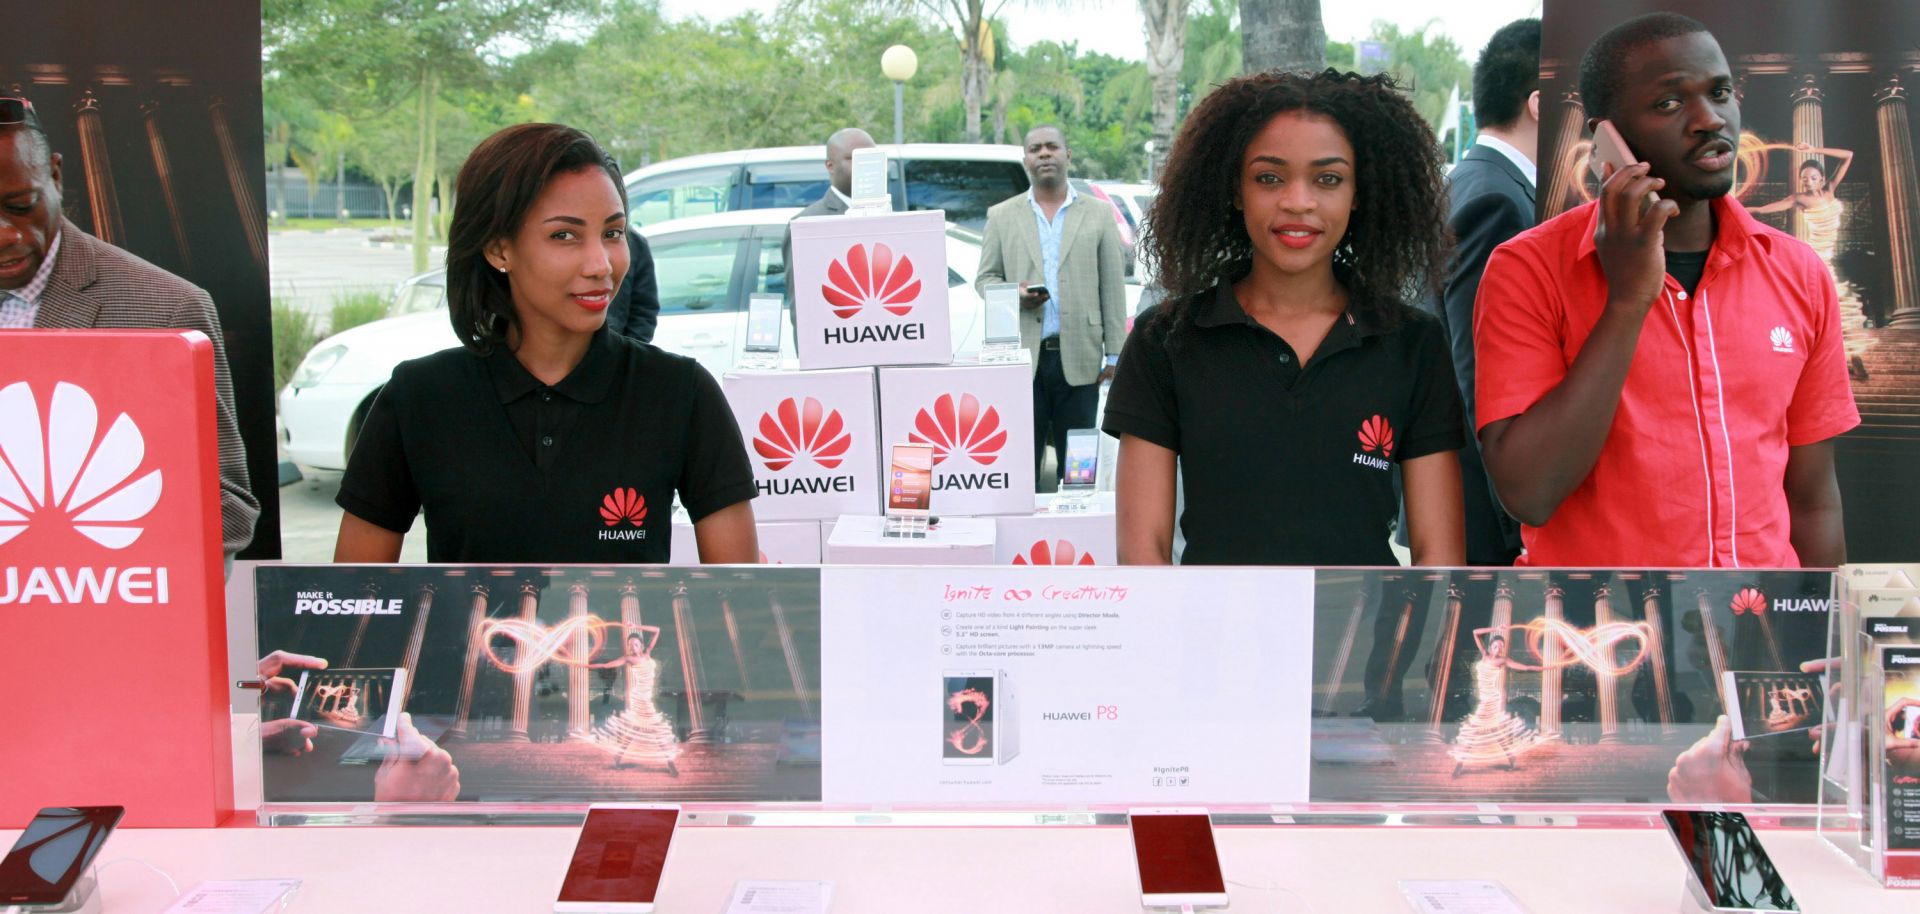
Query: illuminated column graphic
{"points": [[1443, 660], [253, 218], [102, 199], [689, 664], [1606, 682], [1345, 651], [523, 680], [163, 168], [1559, 178], [371, 592], [424, 599], [795, 670], [1657, 655], [1399, 642], [1716, 650], [476, 618], [733, 636], [1808, 127], [579, 691], [629, 609], [1903, 195], [1556, 611]]}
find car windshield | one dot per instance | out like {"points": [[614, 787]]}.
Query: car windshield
{"points": [[781, 184], [423, 294], [963, 189], [679, 194]]}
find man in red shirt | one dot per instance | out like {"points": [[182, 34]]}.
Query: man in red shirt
{"points": [[1660, 381]]}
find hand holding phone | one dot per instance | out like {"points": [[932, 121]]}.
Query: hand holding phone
{"points": [[1629, 233], [1033, 296]]}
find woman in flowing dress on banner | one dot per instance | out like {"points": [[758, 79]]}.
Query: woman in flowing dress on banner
{"points": [[1492, 732], [639, 729]]}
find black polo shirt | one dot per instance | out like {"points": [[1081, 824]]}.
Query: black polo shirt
{"points": [[1285, 464], [508, 469]]}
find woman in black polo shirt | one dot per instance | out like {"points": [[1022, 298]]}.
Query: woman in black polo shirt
{"points": [[1282, 372], [545, 437]]}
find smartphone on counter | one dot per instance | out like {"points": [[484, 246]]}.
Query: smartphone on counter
{"points": [[54, 852], [1082, 460], [763, 322], [1174, 854], [1003, 312], [620, 858], [1727, 869], [910, 481]]}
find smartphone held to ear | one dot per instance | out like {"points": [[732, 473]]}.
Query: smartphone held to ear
{"points": [[1609, 148]]}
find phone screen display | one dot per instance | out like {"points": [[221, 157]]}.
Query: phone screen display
{"points": [[910, 479], [1003, 312], [621, 855], [1176, 855], [763, 323], [364, 701], [1083, 458], [53, 852], [968, 716], [1727, 861], [1769, 704]]}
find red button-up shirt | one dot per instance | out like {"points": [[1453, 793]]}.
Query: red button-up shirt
{"points": [[1722, 383]]}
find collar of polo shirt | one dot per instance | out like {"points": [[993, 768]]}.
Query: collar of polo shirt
{"points": [[589, 381], [1225, 311]]}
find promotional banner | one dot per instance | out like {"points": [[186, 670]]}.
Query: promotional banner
{"points": [[813, 438], [113, 660], [156, 117], [1695, 686], [979, 419], [871, 290], [1083, 685], [1827, 155], [570, 684]]}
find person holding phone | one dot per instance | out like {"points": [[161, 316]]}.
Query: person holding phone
{"points": [[1661, 375], [546, 437], [1283, 373]]}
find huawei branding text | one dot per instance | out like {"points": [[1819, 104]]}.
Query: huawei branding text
{"points": [[57, 586], [607, 536], [884, 333], [965, 481], [818, 485], [1785, 605], [1374, 462]]}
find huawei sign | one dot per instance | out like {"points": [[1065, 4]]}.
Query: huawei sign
{"points": [[870, 276], [623, 505], [1376, 436], [960, 427], [795, 428], [1749, 600], [53, 467], [1062, 552]]}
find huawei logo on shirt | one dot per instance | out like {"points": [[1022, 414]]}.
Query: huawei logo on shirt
{"points": [[870, 276], [1376, 444], [1782, 340], [1061, 552], [623, 506], [793, 428], [960, 427]]}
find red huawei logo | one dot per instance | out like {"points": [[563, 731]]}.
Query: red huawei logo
{"points": [[962, 429], [1749, 600], [792, 429], [623, 504], [1061, 553], [1376, 435], [862, 278]]}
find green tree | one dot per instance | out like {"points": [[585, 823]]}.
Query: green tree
{"points": [[1166, 22], [1282, 34], [1427, 64]]}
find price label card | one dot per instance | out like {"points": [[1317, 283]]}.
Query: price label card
{"points": [[236, 896], [767, 896], [1459, 896]]}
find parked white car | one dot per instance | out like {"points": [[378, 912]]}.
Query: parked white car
{"points": [[706, 267]]}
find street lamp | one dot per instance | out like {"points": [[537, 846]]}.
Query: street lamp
{"points": [[1149, 148], [899, 63]]}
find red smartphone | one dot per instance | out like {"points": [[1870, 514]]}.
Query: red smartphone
{"points": [[1174, 854], [618, 863], [1609, 148]]}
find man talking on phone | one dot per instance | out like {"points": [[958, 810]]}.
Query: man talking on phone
{"points": [[1068, 258], [1661, 376]]}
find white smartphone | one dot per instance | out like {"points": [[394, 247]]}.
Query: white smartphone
{"points": [[1082, 459], [763, 322], [620, 858], [910, 481], [970, 705], [869, 174], [1174, 854], [1003, 312], [1007, 722], [1727, 869], [363, 701], [1609, 148]]}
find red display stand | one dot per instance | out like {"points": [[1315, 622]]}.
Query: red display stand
{"points": [[113, 659]]}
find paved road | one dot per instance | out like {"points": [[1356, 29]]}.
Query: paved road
{"points": [[312, 268], [309, 521]]}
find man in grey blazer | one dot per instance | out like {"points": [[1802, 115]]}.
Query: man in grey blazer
{"points": [[1051, 236], [52, 274], [834, 202]]}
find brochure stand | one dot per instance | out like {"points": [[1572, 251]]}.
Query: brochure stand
{"points": [[1868, 809]]}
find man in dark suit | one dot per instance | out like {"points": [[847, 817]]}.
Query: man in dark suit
{"points": [[834, 202], [52, 274], [1490, 199], [635, 309]]}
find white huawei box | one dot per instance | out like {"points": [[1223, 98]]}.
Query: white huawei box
{"points": [[979, 419], [1046, 538], [781, 542], [813, 440], [861, 540], [871, 290]]}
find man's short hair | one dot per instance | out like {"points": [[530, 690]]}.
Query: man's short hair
{"points": [[1601, 66], [1044, 126], [1507, 73]]}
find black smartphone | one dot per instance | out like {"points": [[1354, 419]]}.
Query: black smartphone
{"points": [[1040, 291], [1727, 869], [54, 852]]}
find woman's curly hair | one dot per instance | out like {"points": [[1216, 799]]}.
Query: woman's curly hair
{"points": [[1396, 241]]}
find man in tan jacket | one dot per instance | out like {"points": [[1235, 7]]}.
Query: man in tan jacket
{"points": [[1052, 237]]}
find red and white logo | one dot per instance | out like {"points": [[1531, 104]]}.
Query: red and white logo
{"points": [[52, 466], [623, 505], [870, 276], [960, 428], [806, 427], [1782, 339], [1061, 552], [1376, 436], [1749, 600]]}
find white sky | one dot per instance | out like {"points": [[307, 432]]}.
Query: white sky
{"points": [[1104, 28]]}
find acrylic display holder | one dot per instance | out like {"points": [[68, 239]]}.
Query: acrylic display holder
{"points": [[83, 899], [1873, 606]]}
